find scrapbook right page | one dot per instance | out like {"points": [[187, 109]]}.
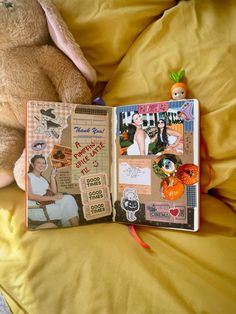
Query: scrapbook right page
{"points": [[157, 164]]}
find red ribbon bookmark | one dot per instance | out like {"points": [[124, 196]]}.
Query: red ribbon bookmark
{"points": [[133, 232]]}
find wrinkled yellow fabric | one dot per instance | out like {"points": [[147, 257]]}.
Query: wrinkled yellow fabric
{"points": [[199, 36], [100, 268], [105, 29]]}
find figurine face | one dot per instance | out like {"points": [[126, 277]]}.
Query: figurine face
{"points": [[178, 93]]}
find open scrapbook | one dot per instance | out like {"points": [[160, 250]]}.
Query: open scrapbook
{"points": [[134, 164]]}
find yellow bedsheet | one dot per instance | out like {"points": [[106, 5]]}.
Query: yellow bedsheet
{"points": [[100, 268]]}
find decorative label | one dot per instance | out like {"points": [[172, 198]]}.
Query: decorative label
{"points": [[163, 212], [153, 108]]}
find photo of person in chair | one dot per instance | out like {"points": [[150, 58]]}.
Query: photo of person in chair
{"points": [[40, 191]]}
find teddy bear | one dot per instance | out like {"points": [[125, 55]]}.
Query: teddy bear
{"points": [[39, 60]]}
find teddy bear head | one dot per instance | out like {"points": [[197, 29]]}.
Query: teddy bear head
{"points": [[26, 23], [23, 23]]}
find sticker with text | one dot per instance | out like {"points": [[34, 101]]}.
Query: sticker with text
{"points": [[95, 195], [92, 181], [130, 203], [153, 108], [89, 196], [162, 212], [97, 210]]}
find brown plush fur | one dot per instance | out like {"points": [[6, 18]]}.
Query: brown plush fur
{"points": [[30, 69]]}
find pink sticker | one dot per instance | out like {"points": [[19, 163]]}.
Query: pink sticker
{"points": [[163, 212], [153, 107]]}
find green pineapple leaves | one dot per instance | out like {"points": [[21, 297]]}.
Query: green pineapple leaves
{"points": [[177, 76]]}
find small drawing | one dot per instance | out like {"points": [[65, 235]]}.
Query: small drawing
{"points": [[130, 203], [38, 145], [48, 124], [95, 163], [186, 112]]}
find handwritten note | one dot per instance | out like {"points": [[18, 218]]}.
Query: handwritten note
{"points": [[90, 143], [135, 173]]}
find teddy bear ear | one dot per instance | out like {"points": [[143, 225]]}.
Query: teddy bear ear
{"points": [[64, 40]]}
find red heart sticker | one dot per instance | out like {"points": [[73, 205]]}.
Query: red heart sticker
{"points": [[174, 211]]}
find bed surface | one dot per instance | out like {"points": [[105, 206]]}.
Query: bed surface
{"points": [[100, 268]]}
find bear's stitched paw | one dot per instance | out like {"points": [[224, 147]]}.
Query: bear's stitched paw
{"points": [[5, 179], [19, 171]]}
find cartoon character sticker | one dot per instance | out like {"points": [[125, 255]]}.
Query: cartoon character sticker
{"points": [[166, 165], [48, 124], [130, 203]]}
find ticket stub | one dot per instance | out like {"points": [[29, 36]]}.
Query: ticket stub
{"points": [[162, 212], [93, 181], [97, 210], [95, 195]]}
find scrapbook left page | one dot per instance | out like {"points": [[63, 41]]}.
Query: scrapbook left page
{"points": [[68, 165]]}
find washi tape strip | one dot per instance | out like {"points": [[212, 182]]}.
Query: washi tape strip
{"points": [[97, 210], [191, 195]]}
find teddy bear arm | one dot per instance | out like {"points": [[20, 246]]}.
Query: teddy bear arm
{"points": [[69, 83], [12, 145]]}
